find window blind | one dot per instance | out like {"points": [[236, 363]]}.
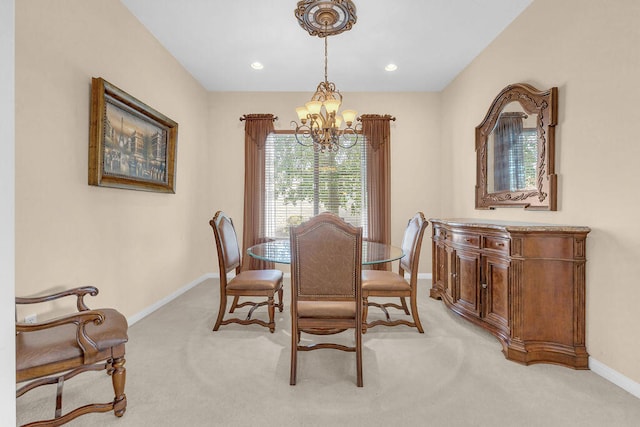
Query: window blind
{"points": [[301, 183], [529, 138]]}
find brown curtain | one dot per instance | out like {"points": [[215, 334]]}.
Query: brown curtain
{"points": [[377, 129], [256, 129]]}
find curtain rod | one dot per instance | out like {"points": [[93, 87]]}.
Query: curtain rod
{"points": [[258, 117], [377, 116]]}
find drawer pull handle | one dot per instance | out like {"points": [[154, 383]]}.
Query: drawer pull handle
{"points": [[499, 244], [468, 240]]}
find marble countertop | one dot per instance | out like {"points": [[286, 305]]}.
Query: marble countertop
{"points": [[510, 225]]}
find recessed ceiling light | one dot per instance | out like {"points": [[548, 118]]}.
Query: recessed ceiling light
{"points": [[391, 67], [257, 66]]}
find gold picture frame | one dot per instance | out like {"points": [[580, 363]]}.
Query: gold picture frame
{"points": [[131, 145]]}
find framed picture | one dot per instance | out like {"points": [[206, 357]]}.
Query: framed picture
{"points": [[131, 145]]}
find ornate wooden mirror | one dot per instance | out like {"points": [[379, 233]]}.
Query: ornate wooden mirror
{"points": [[515, 150]]}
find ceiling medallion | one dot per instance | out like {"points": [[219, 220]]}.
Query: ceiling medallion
{"points": [[324, 18]]}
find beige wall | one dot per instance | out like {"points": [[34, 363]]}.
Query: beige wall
{"points": [[136, 247], [7, 211], [415, 150], [589, 50]]}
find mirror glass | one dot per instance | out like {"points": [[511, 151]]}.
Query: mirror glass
{"points": [[512, 151], [515, 150]]}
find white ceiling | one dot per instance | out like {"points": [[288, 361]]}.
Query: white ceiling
{"points": [[430, 41]]}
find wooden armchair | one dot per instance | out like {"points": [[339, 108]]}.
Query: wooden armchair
{"points": [[387, 284], [56, 350], [326, 257]]}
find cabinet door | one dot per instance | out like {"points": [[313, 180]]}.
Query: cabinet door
{"points": [[495, 292], [467, 281], [440, 279], [449, 283]]}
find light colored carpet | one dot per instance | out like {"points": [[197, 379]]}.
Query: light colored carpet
{"points": [[180, 373]]}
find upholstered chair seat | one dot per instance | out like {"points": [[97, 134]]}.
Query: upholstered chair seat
{"points": [[327, 309], [384, 280], [58, 344], [256, 279]]}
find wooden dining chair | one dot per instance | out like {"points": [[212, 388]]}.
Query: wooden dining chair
{"points": [[56, 350], [326, 256], [388, 284], [246, 283]]}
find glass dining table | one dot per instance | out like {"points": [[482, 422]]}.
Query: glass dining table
{"points": [[278, 251]]}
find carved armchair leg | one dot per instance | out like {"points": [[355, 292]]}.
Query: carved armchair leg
{"points": [[118, 379]]}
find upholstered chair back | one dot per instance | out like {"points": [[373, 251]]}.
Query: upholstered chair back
{"points": [[412, 242], [227, 242], [326, 263]]}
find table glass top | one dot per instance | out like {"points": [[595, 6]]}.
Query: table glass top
{"points": [[278, 251]]}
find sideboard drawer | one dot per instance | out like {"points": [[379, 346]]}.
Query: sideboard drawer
{"points": [[497, 244], [472, 240]]}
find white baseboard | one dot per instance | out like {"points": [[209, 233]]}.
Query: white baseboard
{"points": [[147, 311], [615, 377]]}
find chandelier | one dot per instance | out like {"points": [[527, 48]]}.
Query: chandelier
{"points": [[320, 122]]}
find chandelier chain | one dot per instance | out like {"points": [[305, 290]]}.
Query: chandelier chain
{"points": [[326, 79]]}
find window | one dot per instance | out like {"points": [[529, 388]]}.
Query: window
{"points": [[301, 183]]}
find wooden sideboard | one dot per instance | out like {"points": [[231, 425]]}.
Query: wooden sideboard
{"points": [[523, 282]]}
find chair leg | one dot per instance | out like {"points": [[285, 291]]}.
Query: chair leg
{"points": [[414, 312], [365, 313], [403, 302], [234, 304], [272, 313], [295, 337], [118, 379], [359, 381], [280, 299], [221, 310]]}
